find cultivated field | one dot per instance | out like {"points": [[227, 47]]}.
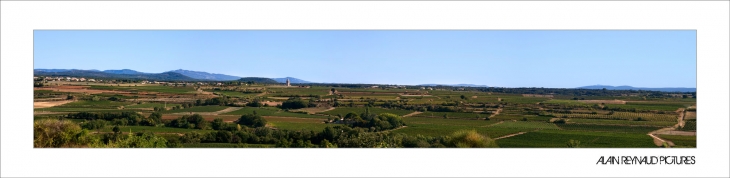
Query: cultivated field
{"points": [[230, 115]]}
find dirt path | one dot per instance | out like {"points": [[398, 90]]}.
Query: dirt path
{"points": [[227, 110], [493, 124], [669, 130], [510, 135], [412, 114], [659, 141], [495, 113], [48, 104], [261, 94], [394, 129], [680, 119]]}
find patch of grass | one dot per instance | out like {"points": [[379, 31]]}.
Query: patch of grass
{"points": [[681, 140], [345, 110], [106, 104], [151, 129], [161, 89], [648, 106], [527, 125], [197, 109], [271, 111], [505, 117], [609, 128], [454, 115], [444, 127], [150, 105], [236, 94], [559, 139], [226, 145], [623, 122]]}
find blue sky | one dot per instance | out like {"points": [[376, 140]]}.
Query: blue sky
{"points": [[526, 58]]}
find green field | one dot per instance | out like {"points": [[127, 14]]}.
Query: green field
{"points": [[150, 105], [197, 109], [559, 139], [650, 106], [527, 125], [522, 122], [160, 89], [622, 122], [236, 94], [271, 111], [441, 127], [151, 129], [609, 128], [453, 115], [681, 141], [94, 104], [345, 110]]}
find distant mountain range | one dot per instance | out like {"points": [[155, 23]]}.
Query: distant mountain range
{"points": [[179, 75], [625, 87], [165, 76], [187, 75], [124, 71], [206, 75], [257, 80], [291, 80]]}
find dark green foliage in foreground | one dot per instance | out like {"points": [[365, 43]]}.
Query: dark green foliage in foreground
{"points": [[64, 133], [338, 136], [120, 118]]}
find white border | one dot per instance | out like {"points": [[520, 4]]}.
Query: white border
{"points": [[19, 19]]}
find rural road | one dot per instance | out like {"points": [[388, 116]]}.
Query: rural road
{"points": [[510, 135], [495, 113], [412, 114], [229, 109], [680, 122]]}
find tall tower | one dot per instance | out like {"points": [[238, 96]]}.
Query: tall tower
{"points": [[288, 84]]}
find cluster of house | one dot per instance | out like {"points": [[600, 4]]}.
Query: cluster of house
{"points": [[70, 79]]}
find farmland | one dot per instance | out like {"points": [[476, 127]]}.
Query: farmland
{"points": [[249, 115]]}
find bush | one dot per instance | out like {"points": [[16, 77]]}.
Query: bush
{"points": [[94, 124], [190, 121], [470, 139], [251, 120], [58, 133], [573, 143], [293, 104], [254, 103]]}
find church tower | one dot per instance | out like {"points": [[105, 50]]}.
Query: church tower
{"points": [[288, 84]]}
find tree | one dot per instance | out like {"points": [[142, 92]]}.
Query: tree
{"points": [[294, 103], [218, 124], [116, 129], [251, 120]]}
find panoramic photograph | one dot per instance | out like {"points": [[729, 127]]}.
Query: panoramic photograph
{"points": [[364, 89]]}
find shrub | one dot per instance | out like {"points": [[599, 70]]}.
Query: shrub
{"points": [[470, 139], [94, 124], [58, 133], [293, 104], [573, 143], [251, 120]]}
